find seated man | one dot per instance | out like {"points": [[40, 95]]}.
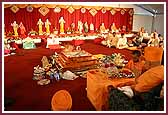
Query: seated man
{"points": [[160, 37], [145, 34], [141, 31], [109, 39], [136, 65], [112, 40], [124, 29], [122, 42], [154, 40], [137, 40], [161, 43]]}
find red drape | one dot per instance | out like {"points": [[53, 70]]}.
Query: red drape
{"points": [[30, 19]]}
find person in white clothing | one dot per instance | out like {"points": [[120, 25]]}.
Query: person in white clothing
{"points": [[122, 42], [154, 40]]}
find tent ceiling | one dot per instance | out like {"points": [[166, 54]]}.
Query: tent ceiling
{"points": [[153, 8]]}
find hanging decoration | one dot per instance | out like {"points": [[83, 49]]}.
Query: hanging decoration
{"points": [[22, 5], [7, 5], [131, 12], [44, 10], [71, 9], [37, 5], [103, 10], [130, 18], [113, 11], [51, 5], [122, 11], [83, 10], [88, 7], [76, 7], [130, 22], [29, 8], [14, 8], [98, 7], [93, 12], [57, 9]]}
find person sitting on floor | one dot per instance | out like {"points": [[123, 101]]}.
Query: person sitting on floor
{"points": [[114, 40], [124, 29], [122, 42], [109, 39], [160, 37], [136, 64], [161, 43], [154, 40], [141, 31], [145, 34], [137, 40]]}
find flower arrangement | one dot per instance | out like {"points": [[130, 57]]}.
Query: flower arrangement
{"points": [[115, 59], [118, 59], [106, 61], [83, 10], [126, 73], [112, 66], [103, 10], [29, 8], [57, 9]]}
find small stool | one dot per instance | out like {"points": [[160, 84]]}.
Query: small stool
{"points": [[61, 101]]}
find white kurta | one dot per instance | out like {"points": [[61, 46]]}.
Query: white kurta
{"points": [[122, 43]]}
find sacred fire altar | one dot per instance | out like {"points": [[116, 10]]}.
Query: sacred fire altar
{"points": [[77, 60]]}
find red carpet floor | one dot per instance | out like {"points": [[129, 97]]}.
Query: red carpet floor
{"points": [[28, 96]]}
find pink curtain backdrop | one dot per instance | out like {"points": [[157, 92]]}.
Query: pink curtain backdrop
{"points": [[30, 19]]}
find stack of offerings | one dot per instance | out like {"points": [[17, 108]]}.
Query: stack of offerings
{"points": [[38, 73], [78, 60]]}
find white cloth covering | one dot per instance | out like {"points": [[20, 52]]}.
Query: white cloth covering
{"points": [[126, 90]]}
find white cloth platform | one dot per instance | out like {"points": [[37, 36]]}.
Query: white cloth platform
{"points": [[34, 40], [54, 41]]}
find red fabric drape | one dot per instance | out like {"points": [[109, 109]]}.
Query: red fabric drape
{"points": [[30, 19]]}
